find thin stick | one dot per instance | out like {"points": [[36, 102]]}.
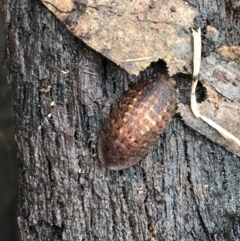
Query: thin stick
{"points": [[138, 59], [197, 49]]}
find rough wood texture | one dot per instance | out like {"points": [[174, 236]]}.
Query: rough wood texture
{"points": [[186, 189]]}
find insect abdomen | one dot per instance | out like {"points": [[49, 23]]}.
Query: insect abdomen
{"points": [[135, 123]]}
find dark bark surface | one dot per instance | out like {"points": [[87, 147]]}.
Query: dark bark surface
{"points": [[186, 189], [8, 157]]}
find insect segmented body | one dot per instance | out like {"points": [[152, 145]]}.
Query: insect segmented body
{"points": [[135, 123]]}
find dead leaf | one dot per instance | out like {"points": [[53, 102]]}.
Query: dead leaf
{"points": [[132, 34]]}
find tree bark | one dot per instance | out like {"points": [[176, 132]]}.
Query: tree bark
{"points": [[186, 189]]}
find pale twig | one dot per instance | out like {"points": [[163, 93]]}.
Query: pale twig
{"points": [[194, 105], [197, 49], [138, 59]]}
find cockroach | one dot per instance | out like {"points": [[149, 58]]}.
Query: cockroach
{"points": [[135, 123]]}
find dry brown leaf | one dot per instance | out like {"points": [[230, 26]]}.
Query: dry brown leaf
{"points": [[132, 34]]}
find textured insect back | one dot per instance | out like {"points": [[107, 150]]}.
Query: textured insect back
{"points": [[135, 123]]}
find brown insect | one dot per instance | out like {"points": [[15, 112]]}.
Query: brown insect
{"points": [[135, 123]]}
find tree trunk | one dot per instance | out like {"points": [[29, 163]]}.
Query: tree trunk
{"points": [[186, 189]]}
